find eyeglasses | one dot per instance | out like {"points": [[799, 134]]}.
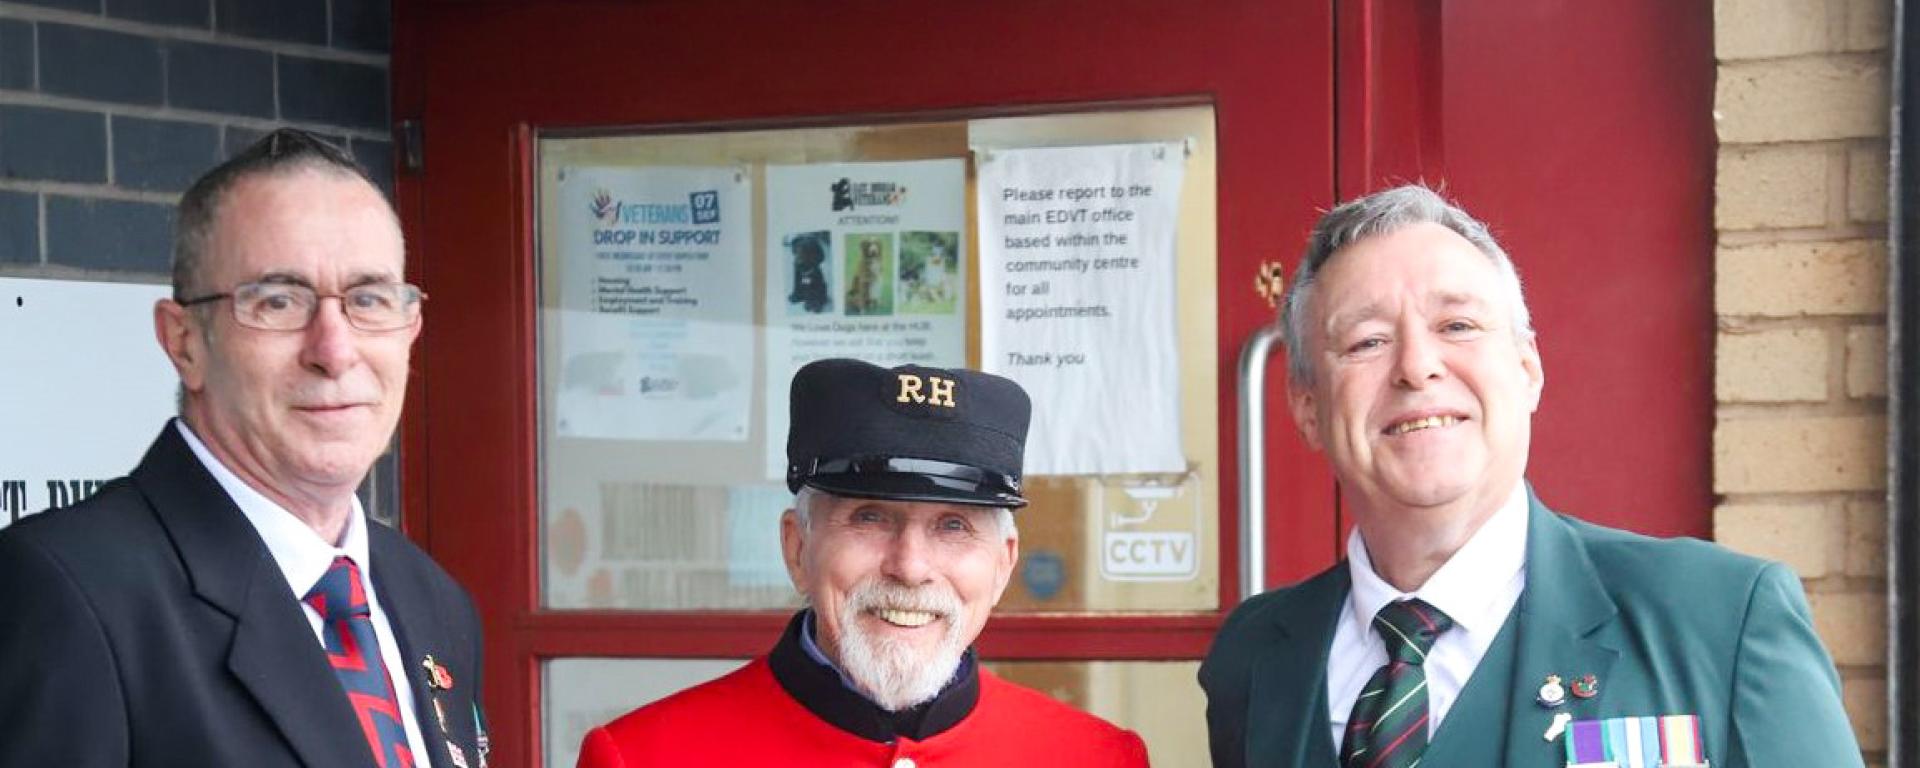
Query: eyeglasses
{"points": [[275, 306]]}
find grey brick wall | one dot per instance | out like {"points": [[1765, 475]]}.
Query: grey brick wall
{"points": [[110, 108]]}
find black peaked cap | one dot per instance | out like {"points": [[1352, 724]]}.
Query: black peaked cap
{"points": [[911, 433]]}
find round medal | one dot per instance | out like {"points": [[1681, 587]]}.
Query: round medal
{"points": [[1551, 693]]}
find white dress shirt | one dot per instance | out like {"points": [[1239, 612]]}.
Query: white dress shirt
{"points": [[304, 557], [1477, 588]]}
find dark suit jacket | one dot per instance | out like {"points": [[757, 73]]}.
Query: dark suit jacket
{"points": [[149, 626], [1670, 627]]}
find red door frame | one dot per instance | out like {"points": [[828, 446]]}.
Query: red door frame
{"points": [[1580, 131], [468, 216]]}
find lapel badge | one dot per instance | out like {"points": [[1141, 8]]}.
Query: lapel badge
{"points": [[1558, 726], [1552, 694], [459, 756], [438, 678], [1586, 687], [440, 714]]}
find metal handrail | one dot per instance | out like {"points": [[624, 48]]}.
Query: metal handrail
{"points": [[1253, 458]]}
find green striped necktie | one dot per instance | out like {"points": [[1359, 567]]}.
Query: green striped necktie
{"points": [[1388, 726]]}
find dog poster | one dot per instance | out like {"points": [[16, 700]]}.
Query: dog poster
{"points": [[863, 260]]}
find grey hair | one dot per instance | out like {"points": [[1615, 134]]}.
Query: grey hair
{"points": [[804, 500], [284, 150], [1383, 213]]}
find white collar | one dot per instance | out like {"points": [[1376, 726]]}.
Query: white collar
{"points": [[302, 555], [1468, 587]]}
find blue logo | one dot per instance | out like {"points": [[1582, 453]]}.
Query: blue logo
{"points": [[1044, 572], [604, 208], [706, 207]]}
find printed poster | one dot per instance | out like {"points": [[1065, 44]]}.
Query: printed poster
{"points": [[1077, 301], [656, 326], [864, 261]]}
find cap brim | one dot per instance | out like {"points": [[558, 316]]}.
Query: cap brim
{"points": [[908, 486]]}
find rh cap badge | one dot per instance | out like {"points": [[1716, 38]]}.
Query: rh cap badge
{"points": [[938, 390]]}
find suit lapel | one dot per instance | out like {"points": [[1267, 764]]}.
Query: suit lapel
{"points": [[296, 687], [1471, 733], [274, 653], [1562, 613], [417, 627], [1287, 703]]}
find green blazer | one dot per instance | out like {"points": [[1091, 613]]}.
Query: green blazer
{"points": [[1668, 626]]}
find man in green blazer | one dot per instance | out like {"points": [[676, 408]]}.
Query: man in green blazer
{"points": [[1470, 625]]}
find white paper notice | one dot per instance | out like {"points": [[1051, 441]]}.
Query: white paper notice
{"points": [[1077, 301], [656, 330], [88, 390], [863, 262]]}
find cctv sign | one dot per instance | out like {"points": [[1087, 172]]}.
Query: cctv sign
{"points": [[1151, 529], [1149, 556]]}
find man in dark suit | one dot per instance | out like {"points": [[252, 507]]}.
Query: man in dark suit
{"points": [[1469, 624], [229, 603]]}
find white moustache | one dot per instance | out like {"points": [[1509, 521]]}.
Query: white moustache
{"points": [[883, 595]]}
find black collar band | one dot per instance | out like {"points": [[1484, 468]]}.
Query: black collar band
{"points": [[818, 688]]}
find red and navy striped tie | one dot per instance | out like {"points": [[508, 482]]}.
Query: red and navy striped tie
{"points": [[1388, 726], [347, 629]]}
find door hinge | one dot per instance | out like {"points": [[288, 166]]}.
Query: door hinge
{"points": [[406, 139]]}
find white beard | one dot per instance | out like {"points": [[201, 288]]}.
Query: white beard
{"points": [[891, 672]]}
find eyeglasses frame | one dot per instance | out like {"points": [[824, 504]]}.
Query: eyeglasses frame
{"points": [[419, 298]]}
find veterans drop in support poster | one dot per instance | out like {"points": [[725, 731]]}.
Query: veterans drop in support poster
{"points": [[655, 286]]}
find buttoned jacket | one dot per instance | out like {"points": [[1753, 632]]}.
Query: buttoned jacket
{"points": [[149, 626], [1665, 626]]}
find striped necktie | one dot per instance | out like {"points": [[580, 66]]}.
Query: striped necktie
{"points": [[1388, 726], [347, 630]]}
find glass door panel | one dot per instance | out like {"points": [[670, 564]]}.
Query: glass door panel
{"points": [[675, 304], [581, 694], [1157, 699]]}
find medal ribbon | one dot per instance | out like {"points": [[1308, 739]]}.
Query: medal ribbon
{"points": [[1672, 741]]}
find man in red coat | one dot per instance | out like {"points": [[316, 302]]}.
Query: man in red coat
{"points": [[901, 539]]}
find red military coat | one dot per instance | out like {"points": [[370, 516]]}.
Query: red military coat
{"points": [[748, 719]]}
